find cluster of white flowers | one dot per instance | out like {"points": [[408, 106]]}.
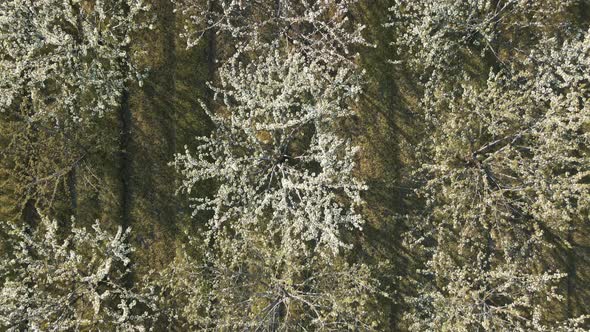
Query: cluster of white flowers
{"points": [[315, 26], [279, 164], [286, 192], [441, 33], [257, 287], [57, 282], [66, 60], [505, 168]]}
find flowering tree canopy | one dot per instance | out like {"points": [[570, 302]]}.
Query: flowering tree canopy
{"points": [[66, 60], [505, 168], [74, 281]]}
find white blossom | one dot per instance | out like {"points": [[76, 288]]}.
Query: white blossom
{"points": [[65, 60], [503, 166], [75, 281]]}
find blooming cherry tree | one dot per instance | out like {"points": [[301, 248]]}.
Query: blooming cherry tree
{"points": [[74, 281], [275, 154], [66, 60], [286, 192], [503, 169]]}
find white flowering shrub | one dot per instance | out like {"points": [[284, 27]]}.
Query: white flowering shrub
{"points": [[475, 298], [505, 167], [486, 285], [313, 26], [252, 284], [439, 34], [62, 282], [286, 192], [279, 165], [66, 60]]}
